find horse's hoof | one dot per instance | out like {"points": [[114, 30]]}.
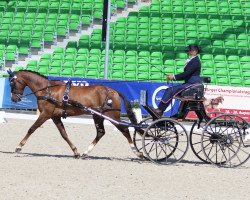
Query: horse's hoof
{"points": [[140, 155], [18, 150], [84, 156], [77, 156]]}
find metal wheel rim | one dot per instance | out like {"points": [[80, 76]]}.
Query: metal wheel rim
{"points": [[168, 160], [236, 152]]}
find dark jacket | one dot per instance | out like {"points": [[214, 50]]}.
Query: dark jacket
{"points": [[191, 71]]}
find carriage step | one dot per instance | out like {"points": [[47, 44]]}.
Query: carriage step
{"points": [[151, 112]]}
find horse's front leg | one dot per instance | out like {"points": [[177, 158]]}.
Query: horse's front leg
{"points": [[60, 126], [41, 119]]}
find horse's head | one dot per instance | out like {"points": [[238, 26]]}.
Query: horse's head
{"points": [[17, 86], [219, 99]]}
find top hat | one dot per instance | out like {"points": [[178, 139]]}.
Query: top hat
{"points": [[192, 47]]}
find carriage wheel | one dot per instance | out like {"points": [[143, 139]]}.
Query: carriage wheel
{"points": [[214, 114], [223, 140], [195, 140], [195, 137], [165, 141], [137, 137]]}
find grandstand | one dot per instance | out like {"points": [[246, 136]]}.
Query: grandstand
{"points": [[143, 43]]}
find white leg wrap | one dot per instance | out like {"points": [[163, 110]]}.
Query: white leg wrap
{"points": [[90, 147], [133, 148], [138, 154]]}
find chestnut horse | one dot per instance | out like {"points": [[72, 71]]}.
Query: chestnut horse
{"points": [[50, 95]]}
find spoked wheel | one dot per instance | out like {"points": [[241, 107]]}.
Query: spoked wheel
{"points": [[195, 137], [165, 141], [224, 141], [195, 140], [137, 137], [214, 114]]}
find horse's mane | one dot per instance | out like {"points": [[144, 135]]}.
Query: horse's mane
{"points": [[25, 70], [46, 77]]}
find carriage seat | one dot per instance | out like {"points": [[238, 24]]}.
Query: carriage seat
{"points": [[194, 93]]}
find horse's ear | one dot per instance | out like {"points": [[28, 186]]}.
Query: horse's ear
{"points": [[10, 73]]}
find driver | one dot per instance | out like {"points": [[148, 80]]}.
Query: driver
{"points": [[191, 75]]}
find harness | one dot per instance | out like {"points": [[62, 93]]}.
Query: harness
{"points": [[67, 102], [66, 99]]}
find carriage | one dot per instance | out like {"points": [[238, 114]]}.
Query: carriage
{"points": [[218, 139]]}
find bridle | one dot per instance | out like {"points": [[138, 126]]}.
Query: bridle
{"points": [[13, 81]]}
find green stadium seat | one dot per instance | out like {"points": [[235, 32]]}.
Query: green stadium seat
{"points": [[31, 68], [242, 45], [219, 58], [83, 51], [117, 75], [68, 65], [80, 65], [55, 72], [59, 50], [44, 64], [233, 59], [220, 65], [43, 71], [143, 69], [118, 67], [246, 82], [235, 73], [207, 57], [236, 81], [232, 66], [56, 64], [246, 74], [208, 72], [143, 76], [221, 72], [57, 57], [130, 76], [222, 81], [46, 56], [79, 73], [67, 72], [130, 68], [92, 74], [245, 59], [32, 63]]}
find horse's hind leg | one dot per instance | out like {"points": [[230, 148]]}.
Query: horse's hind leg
{"points": [[60, 127], [125, 132], [100, 132], [41, 119]]}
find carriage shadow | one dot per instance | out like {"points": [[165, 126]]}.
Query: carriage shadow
{"points": [[128, 159]]}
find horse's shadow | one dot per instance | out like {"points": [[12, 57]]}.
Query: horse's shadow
{"points": [[128, 159]]}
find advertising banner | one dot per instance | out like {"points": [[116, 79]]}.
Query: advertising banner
{"points": [[28, 102], [226, 99], [130, 89], [234, 100]]}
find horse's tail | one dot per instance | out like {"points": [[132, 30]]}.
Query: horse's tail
{"points": [[128, 107]]}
